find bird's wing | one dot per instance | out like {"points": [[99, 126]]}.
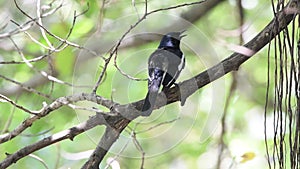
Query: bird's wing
{"points": [[159, 60], [158, 65]]}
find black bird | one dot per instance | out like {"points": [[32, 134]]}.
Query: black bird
{"points": [[164, 67]]}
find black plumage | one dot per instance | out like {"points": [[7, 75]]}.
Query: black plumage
{"points": [[164, 67]]}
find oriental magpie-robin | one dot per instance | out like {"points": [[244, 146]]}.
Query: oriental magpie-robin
{"points": [[164, 67]]}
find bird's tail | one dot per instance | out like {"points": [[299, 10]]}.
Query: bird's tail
{"points": [[149, 103], [153, 87]]}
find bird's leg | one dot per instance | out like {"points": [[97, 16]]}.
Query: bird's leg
{"points": [[165, 89], [182, 99], [179, 93]]}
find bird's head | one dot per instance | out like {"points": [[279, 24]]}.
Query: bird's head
{"points": [[171, 39]]}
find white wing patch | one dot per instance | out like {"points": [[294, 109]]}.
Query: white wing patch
{"points": [[180, 66]]}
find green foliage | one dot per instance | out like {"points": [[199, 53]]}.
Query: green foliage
{"points": [[195, 132], [64, 62]]}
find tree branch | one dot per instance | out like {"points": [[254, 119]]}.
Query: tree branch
{"points": [[104, 145], [188, 87], [123, 114], [66, 134], [58, 103], [192, 15]]}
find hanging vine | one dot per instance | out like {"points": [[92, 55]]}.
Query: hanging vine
{"points": [[286, 104]]}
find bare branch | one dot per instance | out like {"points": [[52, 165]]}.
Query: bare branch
{"points": [[38, 80], [104, 145], [43, 73], [158, 125], [66, 134], [188, 87], [123, 114], [28, 24], [64, 41], [192, 15], [58, 103], [114, 50], [9, 120], [39, 159], [6, 99], [139, 148], [38, 13], [21, 86]]}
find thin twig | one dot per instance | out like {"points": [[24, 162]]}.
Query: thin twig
{"points": [[58, 103], [6, 99], [38, 13], [43, 73], [114, 49], [9, 120], [65, 134], [27, 88], [64, 41], [38, 134], [157, 125], [28, 24], [139, 148], [39, 159]]}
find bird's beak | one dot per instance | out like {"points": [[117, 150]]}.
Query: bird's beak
{"points": [[181, 34]]}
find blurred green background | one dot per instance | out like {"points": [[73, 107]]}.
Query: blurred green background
{"points": [[173, 136]]}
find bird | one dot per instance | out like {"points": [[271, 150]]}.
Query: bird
{"points": [[164, 66]]}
